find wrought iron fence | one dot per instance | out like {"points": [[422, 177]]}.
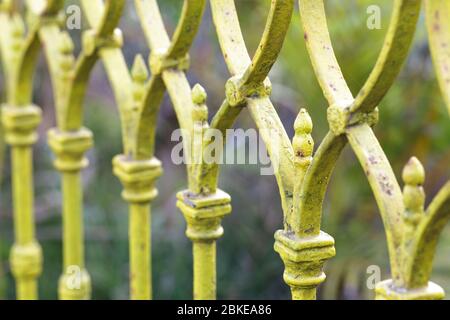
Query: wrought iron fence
{"points": [[302, 175]]}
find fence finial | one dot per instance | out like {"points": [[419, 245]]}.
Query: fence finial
{"points": [[139, 71], [413, 194], [303, 142], [200, 111]]}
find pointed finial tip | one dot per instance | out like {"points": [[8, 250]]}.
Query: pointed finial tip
{"points": [[139, 71], [66, 44], [303, 123], [18, 26], [199, 95], [413, 172], [303, 143]]}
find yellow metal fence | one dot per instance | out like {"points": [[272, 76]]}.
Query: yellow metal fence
{"points": [[302, 175]]}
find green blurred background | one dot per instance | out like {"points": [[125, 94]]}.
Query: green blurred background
{"points": [[414, 121]]}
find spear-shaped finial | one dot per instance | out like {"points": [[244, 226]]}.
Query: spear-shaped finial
{"points": [[139, 74], [66, 45], [413, 195], [199, 96], [139, 71], [303, 142], [66, 60], [200, 119]]}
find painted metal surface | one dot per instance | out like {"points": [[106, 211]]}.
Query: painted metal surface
{"points": [[302, 175]]}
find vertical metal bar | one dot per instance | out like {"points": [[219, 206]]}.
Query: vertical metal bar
{"points": [[70, 148], [72, 220], [140, 248], [20, 125], [204, 253], [22, 164], [74, 283]]}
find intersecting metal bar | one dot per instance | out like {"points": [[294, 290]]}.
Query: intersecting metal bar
{"points": [[168, 61], [253, 74], [20, 119], [303, 257], [343, 108], [70, 140], [437, 12], [385, 187], [424, 243], [137, 174]]}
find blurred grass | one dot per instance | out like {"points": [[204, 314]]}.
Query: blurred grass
{"points": [[413, 121]]}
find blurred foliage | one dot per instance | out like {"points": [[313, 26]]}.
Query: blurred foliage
{"points": [[413, 122]]}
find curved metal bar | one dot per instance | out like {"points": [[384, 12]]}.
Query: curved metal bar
{"points": [[155, 31], [137, 175], [438, 25], [364, 143], [419, 262], [117, 71], [4, 52], [119, 77], [222, 120], [277, 25], [279, 148], [393, 54], [103, 15], [308, 205], [148, 118], [112, 13], [181, 96], [253, 74], [320, 49], [45, 7], [233, 45], [191, 17], [152, 24], [230, 36], [333, 84], [69, 106], [93, 9], [21, 86], [159, 41], [385, 188], [21, 53], [51, 37], [72, 116], [171, 79], [70, 142], [70, 92], [168, 62]]}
